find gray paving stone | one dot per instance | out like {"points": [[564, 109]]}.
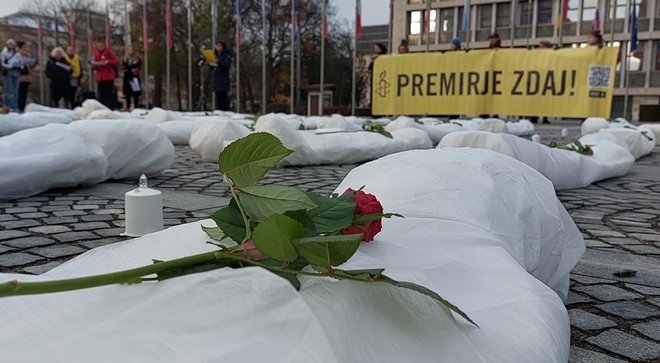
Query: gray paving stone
{"points": [[60, 202], [19, 223], [587, 321], [650, 329], [7, 217], [32, 215], [101, 242], [592, 243], [39, 269], [86, 207], [57, 251], [21, 210], [97, 218], [621, 241], [108, 211], [6, 205], [67, 213], [53, 208], [4, 248], [109, 232], [655, 301], [74, 236], [627, 345], [646, 290], [605, 233], [89, 226], [581, 355], [28, 242], [18, 259], [629, 310], [588, 280], [651, 237], [9, 234], [59, 220], [50, 229], [643, 249], [93, 202]]}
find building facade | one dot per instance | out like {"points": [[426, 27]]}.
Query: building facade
{"points": [[524, 23]]}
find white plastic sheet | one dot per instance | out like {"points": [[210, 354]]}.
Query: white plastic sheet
{"points": [[209, 136], [14, 122], [522, 127], [337, 146], [656, 130], [34, 107], [177, 131], [566, 169], [435, 131], [478, 249]]}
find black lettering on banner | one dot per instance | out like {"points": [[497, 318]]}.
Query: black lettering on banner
{"points": [[430, 84], [533, 83], [519, 78], [417, 81], [485, 90], [473, 81], [402, 81], [460, 83], [563, 84], [549, 84], [447, 84], [496, 82]]}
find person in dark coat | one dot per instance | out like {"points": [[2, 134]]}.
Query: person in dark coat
{"points": [[221, 68], [132, 85], [58, 71]]}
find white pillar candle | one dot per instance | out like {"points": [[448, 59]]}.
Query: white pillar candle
{"points": [[564, 132], [536, 138], [143, 210]]}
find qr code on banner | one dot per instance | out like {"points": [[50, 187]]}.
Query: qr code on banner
{"points": [[599, 76]]}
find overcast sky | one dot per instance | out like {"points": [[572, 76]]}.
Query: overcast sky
{"points": [[374, 12]]}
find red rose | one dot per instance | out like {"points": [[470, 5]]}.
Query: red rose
{"points": [[365, 204]]}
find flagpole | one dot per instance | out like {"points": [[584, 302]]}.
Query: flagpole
{"points": [[561, 23], [238, 56], [466, 22], [513, 22], [40, 57], [107, 25], [127, 25], [263, 59], [427, 25], [292, 101], [90, 50], [168, 20], [214, 37], [190, 60], [612, 13], [389, 28], [626, 79], [355, 39], [530, 5], [323, 26], [145, 45]]}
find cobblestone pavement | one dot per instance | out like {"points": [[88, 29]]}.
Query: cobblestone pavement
{"points": [[614, 318]]}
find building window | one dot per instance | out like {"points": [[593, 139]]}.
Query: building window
{"points": [[415, 22], [589, 10], [433, 21], [503, 19], [618, 7], [447, 20], [572, 13], [544, 15], [485, 16], [524, 14]]}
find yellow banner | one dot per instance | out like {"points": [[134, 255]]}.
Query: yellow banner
{"points": [[539, 82]]}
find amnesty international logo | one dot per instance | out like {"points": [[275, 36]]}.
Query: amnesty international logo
{"points": [[382, 85]]}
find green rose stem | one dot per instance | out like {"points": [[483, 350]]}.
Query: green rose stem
{"points": [[248, 231], [14, 288]]}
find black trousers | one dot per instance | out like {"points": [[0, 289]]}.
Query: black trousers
{"points": [[105, 95], [72, 96], [134, 98], [221, 101], [22, 95], [59, 93]]}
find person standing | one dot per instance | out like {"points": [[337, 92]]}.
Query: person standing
{"points": [[76, 74], [455, 44], [25, 80], [403, 47], [132, 87], [11, 62], [58, 70], [494, 41], [104, 65], [221, 67]]}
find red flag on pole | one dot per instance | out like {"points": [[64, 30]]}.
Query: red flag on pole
{"points": [[40, 50], [90, 34], [169, 25], [358, 19], [325, 20], [72, 36]]}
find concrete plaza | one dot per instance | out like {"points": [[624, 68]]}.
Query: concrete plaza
{"points": [[615, 317]]}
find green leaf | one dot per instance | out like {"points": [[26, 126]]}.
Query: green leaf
{"points": [[260, 201], [230, 221], [328, 250], [373, 217], [625, 273], [302, 216], [214, 232], [292, 278], [332, 214], [273, 237], [245, 161], [423, 290]]}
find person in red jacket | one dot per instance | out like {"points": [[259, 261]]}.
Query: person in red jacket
{"points": [[105, 64]]}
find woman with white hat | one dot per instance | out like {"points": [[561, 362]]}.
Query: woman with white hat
{"points": [[11, 62]]}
